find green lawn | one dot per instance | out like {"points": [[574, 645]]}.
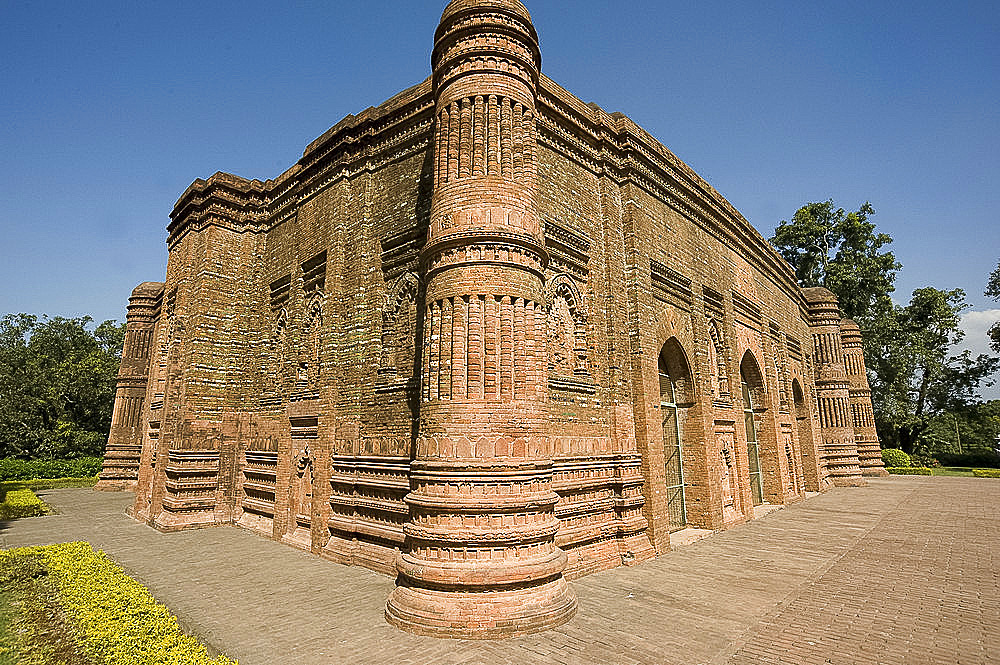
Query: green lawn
{"points": [[7, 654], [952, 471]]}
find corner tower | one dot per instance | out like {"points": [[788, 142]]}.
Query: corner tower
{"points": [[869, 450], [481, 559], [840, 448]]}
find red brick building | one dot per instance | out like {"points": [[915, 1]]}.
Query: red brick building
{"points": [[485, 338]]}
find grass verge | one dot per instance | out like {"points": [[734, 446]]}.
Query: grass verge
{"points": [[952, 471], [75, 606], [7, 654]]}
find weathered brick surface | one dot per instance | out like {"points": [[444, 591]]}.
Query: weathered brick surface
{"points": [[487, 337]]}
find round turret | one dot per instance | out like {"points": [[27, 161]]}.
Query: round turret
{"points": [[482, 559]]}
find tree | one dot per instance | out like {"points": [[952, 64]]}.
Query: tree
{"points": [[993, 291], [57, 385], [915, 375], [841, 251], [970, 430]]}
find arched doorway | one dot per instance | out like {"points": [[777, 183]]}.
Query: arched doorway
{"points": [[753, 391], [675, 399]]}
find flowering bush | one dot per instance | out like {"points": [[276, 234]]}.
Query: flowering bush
{"points": [[114, 619], [21, 503]]}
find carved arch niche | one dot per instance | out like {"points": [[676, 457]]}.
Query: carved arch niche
{"points": [[399, 328], [277, 351], [717, 365], [310, 357], [567, 328]]}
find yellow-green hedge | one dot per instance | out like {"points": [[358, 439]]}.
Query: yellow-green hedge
{"points": [[21, 503], [908, 470], [986, 473], [116, 620]]}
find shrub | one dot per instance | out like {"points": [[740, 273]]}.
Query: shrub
{"points": [[924, 460], [978, 459], [19, 469], [21, 502], [908, 470], [114, 618], [894, 457], [986, 473]]}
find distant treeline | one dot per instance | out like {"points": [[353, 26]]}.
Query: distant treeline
{"points": [[57, 385]]}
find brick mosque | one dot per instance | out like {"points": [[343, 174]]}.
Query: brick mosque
{"points": [[484, 338]]}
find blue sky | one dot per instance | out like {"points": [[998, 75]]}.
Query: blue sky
{"points": [[109, 110]]}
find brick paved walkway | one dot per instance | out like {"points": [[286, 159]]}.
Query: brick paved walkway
{"points": [[904, 571]]}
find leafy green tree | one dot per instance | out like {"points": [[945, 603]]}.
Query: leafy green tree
{"points": [[841, 250], [993, 291], [57, 384], [916, 376], [972, 429]]}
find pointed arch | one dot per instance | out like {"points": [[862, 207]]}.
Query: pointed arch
{"points": [[752, 376], [400, 293], [798, 397], [752, 385], [676, 396], [674, 367]]}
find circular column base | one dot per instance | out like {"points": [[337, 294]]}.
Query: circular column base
{"points": [[485, 615]]}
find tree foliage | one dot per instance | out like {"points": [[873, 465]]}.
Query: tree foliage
{"points": [[993, 291], [840, 250], [973, 429], [57, 385], [914, 373]]}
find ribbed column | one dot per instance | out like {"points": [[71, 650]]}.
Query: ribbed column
{"points": [[120, 469], [480, 558], [862, 413], [840, 449]]}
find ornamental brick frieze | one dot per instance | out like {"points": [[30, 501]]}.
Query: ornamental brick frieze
{"points": [[492, 220], [502, 251]]}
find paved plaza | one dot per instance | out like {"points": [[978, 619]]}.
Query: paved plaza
{"points": [[905, 571]]}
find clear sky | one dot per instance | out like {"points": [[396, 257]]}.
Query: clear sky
{"points": [[109, 110]]}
